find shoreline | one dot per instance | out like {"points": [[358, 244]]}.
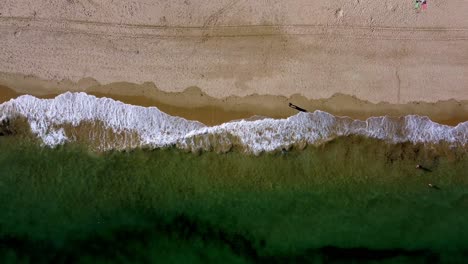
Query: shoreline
{"points": [[194, 104]]}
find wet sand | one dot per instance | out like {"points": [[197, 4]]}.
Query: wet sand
{"points": [[193, 104]]}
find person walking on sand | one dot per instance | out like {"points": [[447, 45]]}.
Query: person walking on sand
{"points": [[293, 106], [420, 4], [424, 4], [417, 4]]}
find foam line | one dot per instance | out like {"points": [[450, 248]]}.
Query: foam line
{"points": [[48, 117]]}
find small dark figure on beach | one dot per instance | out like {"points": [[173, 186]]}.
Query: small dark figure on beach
{"points": [[293, 106], [420, 4], [422, 168], [433, 186]]}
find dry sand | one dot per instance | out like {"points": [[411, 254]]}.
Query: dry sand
{"points": [[356, 58]]}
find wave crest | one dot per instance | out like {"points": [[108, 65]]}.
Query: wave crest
{"points": [[110, 124]]}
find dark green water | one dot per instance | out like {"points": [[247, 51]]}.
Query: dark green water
{"points": [[351, 200]]}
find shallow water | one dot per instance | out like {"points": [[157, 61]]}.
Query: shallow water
{"points": [[351, 199], [106, 124]]}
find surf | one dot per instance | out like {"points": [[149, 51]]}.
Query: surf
{"points": [[106, 124]]}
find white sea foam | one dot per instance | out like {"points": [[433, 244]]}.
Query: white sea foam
{"points": [[48, 117]]}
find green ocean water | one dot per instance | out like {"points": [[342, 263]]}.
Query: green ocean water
{"points": [[351, 200]]}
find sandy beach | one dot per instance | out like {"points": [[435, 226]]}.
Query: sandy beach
{"points": [[364, 177], [234, 59]]}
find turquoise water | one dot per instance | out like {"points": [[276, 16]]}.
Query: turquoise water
{"points": [[350, 200]]}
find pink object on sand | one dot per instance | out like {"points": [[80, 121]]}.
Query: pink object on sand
{"points": [[424, 6]]}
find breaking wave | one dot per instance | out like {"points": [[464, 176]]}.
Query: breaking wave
{"points": [[110, 124]]}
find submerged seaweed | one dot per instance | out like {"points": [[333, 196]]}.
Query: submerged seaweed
{"points": [[350, 199]]}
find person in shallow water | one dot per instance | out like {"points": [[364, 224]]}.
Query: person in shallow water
{"points": [[430, 185], [419, 166]]}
